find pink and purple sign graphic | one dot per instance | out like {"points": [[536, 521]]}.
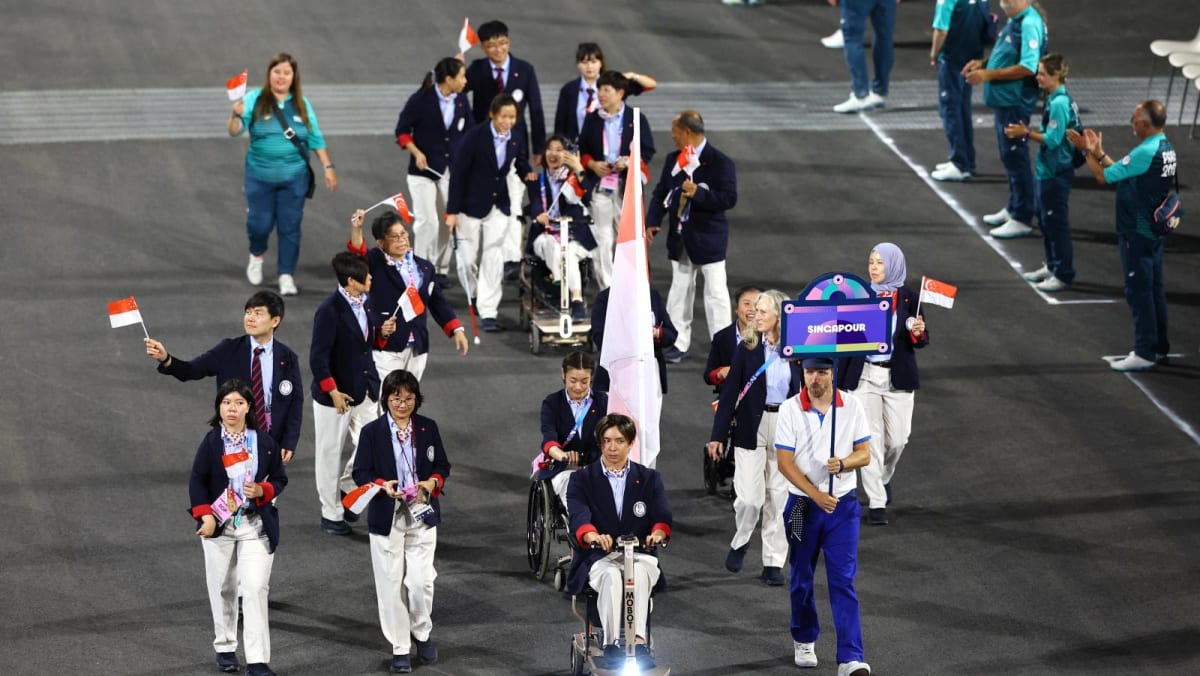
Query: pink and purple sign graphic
{"points": [[836, 316]]}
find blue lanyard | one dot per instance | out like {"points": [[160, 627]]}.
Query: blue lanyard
{"points": [[583, 411], [746, 388]]}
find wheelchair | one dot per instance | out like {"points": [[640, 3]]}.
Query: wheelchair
{"points": [[546, 524], [718, 472], [544, 309], [587, 653]]}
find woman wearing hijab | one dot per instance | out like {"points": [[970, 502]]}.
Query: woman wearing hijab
{"points": [[885, 383]]}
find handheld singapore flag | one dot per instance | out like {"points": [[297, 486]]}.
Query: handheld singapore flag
{"points": [[358, 499], [687, 161], [938, 293], [397, 201], [467, 37], [125, 312], [628, 346], [236, 86], [236, 464]]}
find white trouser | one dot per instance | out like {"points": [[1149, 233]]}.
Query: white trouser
{"points": [[387, 361], [431, 240], [513, 235], [607, 577], [761, 491], [330, 431], [559, 483], [682, 296], [240, 559], [889, 413], [547, 248], [403, 565], [488, 232], [606, 218]]}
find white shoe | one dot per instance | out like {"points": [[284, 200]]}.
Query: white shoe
{"points": [[999, 218], [806, 654], [1132, 363], [853, 104], [732, 3], [853, 668], [943, 165], [287, 286], [876, 100], [1011, 230], [1051, 285], [834, 40], [950, 173], [1040, 275], [254, 270]]}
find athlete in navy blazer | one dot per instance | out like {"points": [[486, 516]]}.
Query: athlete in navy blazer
{"points": [[903, 363], [745, 363], [481, 82], [705, 236], [720, 355], [541, 196], [375, 462], [477, 184], [591, 143], [340, 357], [566, 118], [421, 123], [208, 480], [557, 423]]}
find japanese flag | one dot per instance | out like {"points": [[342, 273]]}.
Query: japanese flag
{"points": [[938, 293], [687, 162], [358, 499], [236, 464], [236, 86], [411, 304], [124, 312], [401, 205], [467, 37]]}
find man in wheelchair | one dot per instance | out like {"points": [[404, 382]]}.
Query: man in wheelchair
{"points": [[606, 500], [555, 198]]}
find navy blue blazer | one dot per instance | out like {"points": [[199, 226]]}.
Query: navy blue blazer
{"points": [[340, 357], [230, 358], [590, 504], [720, 354], [375, 460], [208, 481], [591, 143], [904, 358], [749, 413], [477, 184], [481, 82], [580, 227], [706, 233], [421, 123], [557, 423], [666, 335], [386, 286], [566, 121]]}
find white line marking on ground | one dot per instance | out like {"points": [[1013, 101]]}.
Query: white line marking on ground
{"points": [[1182, 424], [967, 217]]}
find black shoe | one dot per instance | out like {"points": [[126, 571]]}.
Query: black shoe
{"points": [[578, 311], [877, 517], [887, 488], [512, 270], [348, 515], [228, 663], [613, 656], [259, 669], [673, 356], [335, 527], [490, 325], [426, 651], [401, 664], [735, 557], [443, 281], [642, 654], [772, 576]]}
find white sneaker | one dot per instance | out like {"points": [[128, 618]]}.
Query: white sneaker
{"points": [[853, 104], [1011, 230], [806, 654], [876, 100], [732, 3], [1051, 285], [254, 270], [853, 668], [1132, 363], [1040, 275], [834, 40], [950, 173], [943, 165], [287, 286], [999, 218]]}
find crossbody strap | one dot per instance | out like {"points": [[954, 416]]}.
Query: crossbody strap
{"points": [[289, 133]]}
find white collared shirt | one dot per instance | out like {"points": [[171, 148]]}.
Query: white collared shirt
{"points": [[806, 433], [266, 365], [616, 481]]}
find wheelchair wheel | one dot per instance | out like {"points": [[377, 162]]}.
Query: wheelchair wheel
{"points": [[578, 664], [535, 340], [523, 319], [710, 473], [538, 528]]}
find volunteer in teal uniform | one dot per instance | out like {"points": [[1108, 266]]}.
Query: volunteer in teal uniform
{"points": [[957, 38]]}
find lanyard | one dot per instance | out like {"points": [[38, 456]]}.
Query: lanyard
{"points": [[761, 369], [583, 411], [408, 455]]}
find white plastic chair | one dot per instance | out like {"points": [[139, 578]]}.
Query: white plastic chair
{"points": [[1191, 72], [1184, 60], [1165, 48]]}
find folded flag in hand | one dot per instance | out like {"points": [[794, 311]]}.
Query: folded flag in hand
{"points": [[358, 499], [236, 86]]}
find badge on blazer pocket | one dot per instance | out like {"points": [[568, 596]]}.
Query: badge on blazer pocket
{"points": [[639, 509], [429, 454], [518, 95], [285, 387]]}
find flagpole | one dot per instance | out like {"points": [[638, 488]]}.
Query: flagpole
{"points": [[368, 209], [919, 295], [144, 328]]}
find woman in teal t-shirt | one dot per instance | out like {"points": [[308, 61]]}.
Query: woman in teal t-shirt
{"points": [[277, 169]]}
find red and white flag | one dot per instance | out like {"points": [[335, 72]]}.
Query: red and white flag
{"points": [[410, 304], [236, 464], [938, 293], [687, 161], [401, 205], [358, 499], [236, 85], [124, 312], [467, 37], [628, 346]]}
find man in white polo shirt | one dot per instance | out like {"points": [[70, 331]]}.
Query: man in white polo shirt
{"points": [[819, 520]]}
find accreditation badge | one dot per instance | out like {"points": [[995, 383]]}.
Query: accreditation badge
{"points": [[285, 387], [639, 509], [518, 95]]}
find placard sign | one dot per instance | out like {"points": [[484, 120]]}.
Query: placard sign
{"points": [[838, 315]]}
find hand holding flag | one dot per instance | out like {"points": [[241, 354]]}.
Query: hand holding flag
{"points": [[125, 312], [399, 203], [687, 161], [236, 85], [358, 499]]}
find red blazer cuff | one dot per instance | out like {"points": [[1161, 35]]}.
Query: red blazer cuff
{"points": [[452, 326], [584, 530], [714, 377], [666, 527], [379, 341], [441, 483], [328, 385], [549, 445], [586, 160], [914, 337], [360, 250], [201, 510], [404, 139]]}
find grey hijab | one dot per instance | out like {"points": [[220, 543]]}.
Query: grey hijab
{"points": [[894, 268]]}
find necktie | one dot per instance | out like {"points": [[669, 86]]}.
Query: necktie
{"points": [[591, 100], [499, 80], [256, 385]]}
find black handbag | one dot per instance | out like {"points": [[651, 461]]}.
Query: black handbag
{"points": [[290, 134]]}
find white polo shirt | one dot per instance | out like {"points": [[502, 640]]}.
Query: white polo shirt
{"points": [[801, 429]]}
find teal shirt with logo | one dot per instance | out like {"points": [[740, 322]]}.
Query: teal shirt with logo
{"points": [[272, 157], [1054, 156], [1022, 41], [1143, 178]]}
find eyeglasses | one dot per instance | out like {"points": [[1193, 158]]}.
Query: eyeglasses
{"points": [[397, 401], [398, 237]]}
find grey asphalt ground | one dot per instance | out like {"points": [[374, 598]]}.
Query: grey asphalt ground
{"points": [[1046, 510]]}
